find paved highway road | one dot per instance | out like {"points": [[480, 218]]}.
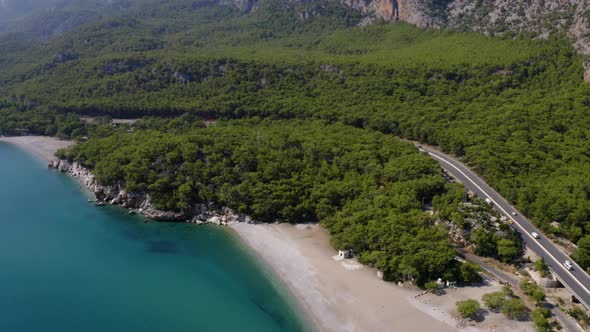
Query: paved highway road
{"points": [[576, 279]]}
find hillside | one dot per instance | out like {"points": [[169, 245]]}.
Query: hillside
{"points": [[43, 19], [537, 18], [14, 9], [512, 106]]}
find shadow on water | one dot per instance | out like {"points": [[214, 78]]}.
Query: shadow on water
{"points": [[161, 246], [272, 314]]}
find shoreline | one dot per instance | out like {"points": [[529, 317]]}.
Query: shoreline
{"points": [[308, 319], [337, 295], [41, 147], [330, 295], [344, 295]]}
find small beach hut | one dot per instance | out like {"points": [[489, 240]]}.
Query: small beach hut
{"points": [[345, 254]]}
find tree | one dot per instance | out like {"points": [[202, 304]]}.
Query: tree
{"points": [[530, 288], [468, 308], [580, 315], [527, 286], [515, 309], [538, 296], [541, 267], [540, 318], [582, 254], [507, 250], [470, 273], [494, 300], [484, 242], [508, 292]]}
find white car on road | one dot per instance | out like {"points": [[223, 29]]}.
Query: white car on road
{"points": [[535, 235], [568, 265]]}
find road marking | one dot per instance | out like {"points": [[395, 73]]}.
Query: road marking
{"points": [[516, 222]]}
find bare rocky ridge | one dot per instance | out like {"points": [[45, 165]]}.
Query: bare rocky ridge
{"points": [[411, 11], [141, 202]]}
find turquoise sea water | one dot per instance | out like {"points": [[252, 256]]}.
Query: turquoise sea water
{"points": [[68, 266]]}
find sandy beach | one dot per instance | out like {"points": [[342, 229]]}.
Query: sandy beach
{"points": [[340, 295], [42, 147]]}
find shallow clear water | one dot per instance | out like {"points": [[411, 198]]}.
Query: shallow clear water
{"points": [[66, 265]]}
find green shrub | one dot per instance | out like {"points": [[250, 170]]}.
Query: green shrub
{"points": [[494, 300], [515, 309], [468, 308]]}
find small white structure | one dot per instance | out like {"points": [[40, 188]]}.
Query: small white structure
{"points": [[345, 254], [379, 274]]}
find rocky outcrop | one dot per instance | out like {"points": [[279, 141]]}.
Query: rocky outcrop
{"points": [[412, 11], [243, 5], [64, 57], [115, 194], [417, 12], [141, 202], [537, 17], [181, 77], [202, 214]]}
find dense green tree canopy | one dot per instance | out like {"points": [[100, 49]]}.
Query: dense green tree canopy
{"points": [[582, 254], [365, 187], [516, 113], [513, 108], [515, 309]]}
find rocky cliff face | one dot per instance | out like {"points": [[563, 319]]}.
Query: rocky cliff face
{"points": [[411, 11], [141, 202], [417, 12]]}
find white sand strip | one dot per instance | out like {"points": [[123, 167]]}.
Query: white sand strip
{"points": [[335, 296], [42, 147]]}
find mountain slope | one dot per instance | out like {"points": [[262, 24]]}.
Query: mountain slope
{"points": [[49, 18], [536, 18], [13, 9]]}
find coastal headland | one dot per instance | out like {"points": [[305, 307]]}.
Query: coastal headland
{"points": [[336, 295]]}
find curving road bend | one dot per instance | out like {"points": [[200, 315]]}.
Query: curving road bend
{"points": [[575, 280]]}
